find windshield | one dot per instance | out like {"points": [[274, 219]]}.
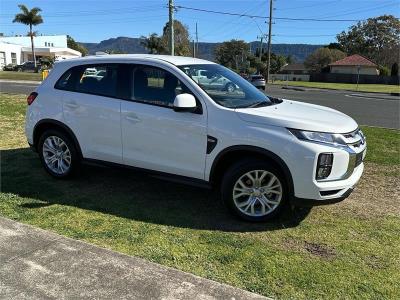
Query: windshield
{"points": [[225, 86]]}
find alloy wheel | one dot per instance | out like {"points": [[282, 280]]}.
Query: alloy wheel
{"points": [[257, 193], [56, 155]]}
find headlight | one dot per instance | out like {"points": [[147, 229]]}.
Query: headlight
{"points": [[318, 137]]}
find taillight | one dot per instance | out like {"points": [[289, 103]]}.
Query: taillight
{"points": [[31, 98]]}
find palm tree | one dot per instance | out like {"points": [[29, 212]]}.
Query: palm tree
{"points": [[30, 18]]}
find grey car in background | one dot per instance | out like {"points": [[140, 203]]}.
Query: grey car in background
{"points": [[257, 80]]}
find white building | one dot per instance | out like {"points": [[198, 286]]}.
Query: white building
{"points": [[17, 49]]}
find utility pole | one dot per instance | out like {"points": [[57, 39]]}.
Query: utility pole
{"points": [[269, 42], [194, 48], [261, 46], [197, 41], [171, 27]]}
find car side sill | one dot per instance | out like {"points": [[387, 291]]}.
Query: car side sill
{"points": [[157, 174]]}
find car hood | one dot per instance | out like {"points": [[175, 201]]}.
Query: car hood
{"points": [[299, 115]]}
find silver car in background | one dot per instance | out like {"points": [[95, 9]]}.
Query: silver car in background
{"points": [[257, 80]]}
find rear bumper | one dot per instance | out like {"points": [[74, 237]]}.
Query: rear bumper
{"points": [[300, 202]]}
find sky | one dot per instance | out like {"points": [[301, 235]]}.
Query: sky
{"points": [[94, 21]]}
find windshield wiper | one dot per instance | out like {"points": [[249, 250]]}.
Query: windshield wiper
{"points": [[259, 104]]}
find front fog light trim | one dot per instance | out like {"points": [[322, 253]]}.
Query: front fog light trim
{"points": [[324, 166]]}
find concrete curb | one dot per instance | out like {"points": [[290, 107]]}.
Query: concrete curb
{"points": [[20, 81], [38, 264], [294, 88]]}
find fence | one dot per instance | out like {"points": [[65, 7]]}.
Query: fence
{"points": [[290, 77], [352, 78]]}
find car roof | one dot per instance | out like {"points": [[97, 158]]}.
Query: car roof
{"points": [[175, 60]]}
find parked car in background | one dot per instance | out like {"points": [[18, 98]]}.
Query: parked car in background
{"points": [[91, 71], [151, 112], [257, 80], [28, 66], [10, 67], [213, 81]]}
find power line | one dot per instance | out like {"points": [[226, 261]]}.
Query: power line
{"points": [[263, 17], [355, 11]]}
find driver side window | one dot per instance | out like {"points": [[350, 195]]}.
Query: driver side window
{"points": [[156, 86]]}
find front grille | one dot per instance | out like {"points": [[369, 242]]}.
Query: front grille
{"points": [[355, 138]]}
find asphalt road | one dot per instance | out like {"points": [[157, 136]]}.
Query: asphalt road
{"points": [[370, 109]]}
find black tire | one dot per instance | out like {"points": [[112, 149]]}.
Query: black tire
{"points": [[75, 161], [235, 172]]}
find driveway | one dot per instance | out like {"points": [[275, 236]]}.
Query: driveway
{"points": [[36, 264]]}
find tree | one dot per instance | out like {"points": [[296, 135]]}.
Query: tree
{"points": [[76, 46], [395, 69], [334, 46], [153, 44], [384, 71], [277, 62], [376, 38], [232, 54], [290, 59], [321, 58], [30, 18], [113, 51], [181, 38]]}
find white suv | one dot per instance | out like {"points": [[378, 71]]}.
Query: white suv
{"points": [[147, 112]]}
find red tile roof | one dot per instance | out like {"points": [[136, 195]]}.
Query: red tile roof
{"points": [[353, 60]]}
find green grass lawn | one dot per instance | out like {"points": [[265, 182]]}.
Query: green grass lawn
{"points": [[20, 75], [374, 88], [344, 251]]}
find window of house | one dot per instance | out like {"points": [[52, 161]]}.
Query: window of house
{"points": [[45, 44], [156, 86], [14, 58]]}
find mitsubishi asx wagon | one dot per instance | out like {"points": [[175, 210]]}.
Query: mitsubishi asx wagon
{"points": [[152, 113]]}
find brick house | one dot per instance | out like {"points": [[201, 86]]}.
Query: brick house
{"points": [[352, 64]]}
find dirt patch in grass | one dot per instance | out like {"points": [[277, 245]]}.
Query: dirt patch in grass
{"points": [[375, 194], [321, 250]]}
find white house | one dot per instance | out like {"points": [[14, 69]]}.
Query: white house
{"points": [[17, 49]]}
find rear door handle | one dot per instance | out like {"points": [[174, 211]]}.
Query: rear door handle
{"points": [[71, 105]]}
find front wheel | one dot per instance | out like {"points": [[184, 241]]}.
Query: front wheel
{"points": [[254, 190], [230, 87], [57, 153]]}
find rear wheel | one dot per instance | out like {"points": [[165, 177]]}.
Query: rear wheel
{"points": [[254, 190], [57, 153]]}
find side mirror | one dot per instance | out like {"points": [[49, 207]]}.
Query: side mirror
{"points": [[185, 103]]}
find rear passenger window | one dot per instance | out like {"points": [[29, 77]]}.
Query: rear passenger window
{"points": [[98, 80], [93, 79], [156, 86], [64, 82]]}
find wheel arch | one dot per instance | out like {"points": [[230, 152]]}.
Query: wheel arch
{"points": [[227, 156], [46, 124]]}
